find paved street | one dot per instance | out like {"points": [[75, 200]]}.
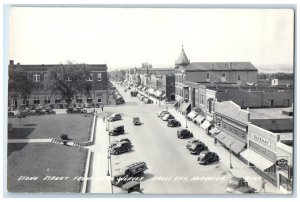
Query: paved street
{"points": [[171, 167]]}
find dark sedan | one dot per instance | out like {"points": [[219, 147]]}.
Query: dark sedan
{"points": [[237, 185], [173, 123], [207, 157]]}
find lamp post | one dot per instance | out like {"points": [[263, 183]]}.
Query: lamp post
{"points": [[108, 157], [230, 143], [106, 128], [186, 126]]}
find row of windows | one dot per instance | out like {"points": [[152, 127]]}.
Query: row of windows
{"points": [[37, 77], [178, 78]]}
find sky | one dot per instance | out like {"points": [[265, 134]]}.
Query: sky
{"points": [[127, 37]]}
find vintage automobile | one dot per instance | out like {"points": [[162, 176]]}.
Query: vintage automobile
{"points": [[112, 144], [132, 172], [117, 130], [136, 121], [132, 187], [148, 101], [166, 117], [207, 157], [191, 142], [121, 147], [133, 93], [197, 148], [114, 117], [237, 185], [183, 133], [173, 123], [161, 113]]}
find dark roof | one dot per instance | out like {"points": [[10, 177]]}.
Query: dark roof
{"points": [[220, 66], [45, 67]]}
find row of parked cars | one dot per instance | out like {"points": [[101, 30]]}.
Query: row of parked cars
{"points": [[144, 98], [31, 110], [129, 177], [236, 185]]}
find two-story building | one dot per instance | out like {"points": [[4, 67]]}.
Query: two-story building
{"points": [[39, 95]]}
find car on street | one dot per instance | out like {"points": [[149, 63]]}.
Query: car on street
{"points": [[173, 123], [112, 144], [183, 133], [136, 121], [191, 142], [148, 101], [121, 147], [132, 172], [161, 113], [238, 185], [166, 117], [197, 148], [207, 157], [114, 117], [117, 130]]}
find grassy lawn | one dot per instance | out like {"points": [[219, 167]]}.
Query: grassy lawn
{"points": [[41, 160], [51, 126]]}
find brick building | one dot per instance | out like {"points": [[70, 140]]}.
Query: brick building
{"points": [[98, 77]]}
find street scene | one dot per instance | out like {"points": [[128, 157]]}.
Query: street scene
{"points": [[122, 126]]}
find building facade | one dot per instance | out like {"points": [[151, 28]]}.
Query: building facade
{"points": [[39, 95]]}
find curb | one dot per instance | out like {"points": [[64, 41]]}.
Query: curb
{"points": [[86, 172], [92, 136]]}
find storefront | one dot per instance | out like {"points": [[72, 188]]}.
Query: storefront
{"points": [[231, 126], [261, 152]]}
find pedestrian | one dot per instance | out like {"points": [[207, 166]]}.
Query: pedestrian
{"points": [[263, 186], [103, 118], [102, 107]]}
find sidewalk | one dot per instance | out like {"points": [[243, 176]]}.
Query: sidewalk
{"points": [[240, 169], [28, 140], [100, 182]]}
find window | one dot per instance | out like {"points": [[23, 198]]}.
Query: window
{"points": [[207, 75], [47, 100], [36, 77], [78, 99], [99, 76], [90, 77], [239, 77], [36, 100], [57, 100], [99, 99], [89, 100], [68, 79], [223, 75]]}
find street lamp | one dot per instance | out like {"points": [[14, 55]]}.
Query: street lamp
{"points": [[230, 143], [108, 157], [186, 126]]}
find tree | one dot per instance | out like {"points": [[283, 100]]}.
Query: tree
{"points": [[69, 80], [19, 83]]}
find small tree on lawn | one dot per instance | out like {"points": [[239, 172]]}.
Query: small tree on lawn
{"points": [[69, 80], [19, 84]]}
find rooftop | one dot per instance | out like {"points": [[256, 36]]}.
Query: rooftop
{"points": [[268, 113], [286, 136], [221, 66], [182, 58]]}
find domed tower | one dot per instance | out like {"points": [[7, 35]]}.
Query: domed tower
{"points": [[182, 60]]}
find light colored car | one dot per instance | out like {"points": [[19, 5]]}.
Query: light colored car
{"points": [[168, 116], [115, 117], [161, 113]]}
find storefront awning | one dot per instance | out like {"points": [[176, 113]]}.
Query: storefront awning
{"points": [[199, 119], [192, 115], [205, 125], [184, 106], [158, 93], [214, 131], [259, 161], [231, 142]]}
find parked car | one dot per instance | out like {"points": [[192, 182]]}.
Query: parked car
{"points": [[114, 117], [129, 173], [184, 133], [148, 101], [191, 142], [136, 121], [162, 113], [237, 185], [117, 141], [166, 117], [197, 148], [121, 147], [173, 123], [118, 130], [207, 157]]}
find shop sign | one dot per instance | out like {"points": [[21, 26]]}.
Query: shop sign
{"points": [[282, 165], [262, 140]]}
